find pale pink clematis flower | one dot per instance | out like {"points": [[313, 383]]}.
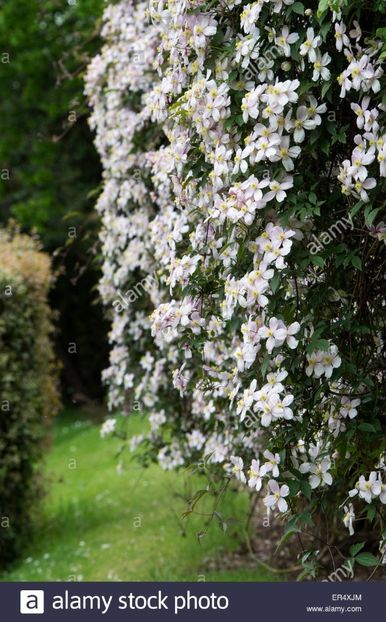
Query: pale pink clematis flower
{"points": [[310, 45], [237, 469], [277, 497], [255, 476]]}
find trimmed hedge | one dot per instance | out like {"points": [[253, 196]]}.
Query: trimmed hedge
{"points": [[28, 389]]}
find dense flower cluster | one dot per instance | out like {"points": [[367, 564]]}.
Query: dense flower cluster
{"points": [[229, 133]]}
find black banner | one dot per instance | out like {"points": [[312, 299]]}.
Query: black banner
{"points": [[228, 602]]}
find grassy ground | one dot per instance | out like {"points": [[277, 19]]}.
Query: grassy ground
{"points": [[98, 526]]}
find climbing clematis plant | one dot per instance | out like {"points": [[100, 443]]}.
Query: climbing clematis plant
{"points": [[244, 152]]}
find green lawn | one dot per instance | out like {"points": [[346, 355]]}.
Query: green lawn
{"points": [[97, 526]]}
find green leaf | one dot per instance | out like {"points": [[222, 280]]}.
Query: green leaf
{"points": [[356, 262], [366, 427], [264, 365], [355, 548], [275, 282], [370, 214], [367, 559], [229, 122], [305, 518], [291, 532], [325, 147], [317, 260], [371, 512], [306, 489], [320, 344], [298, 8], [356, 208], [322, 7], [294, 486], [306, 86], [325, 88], [326, 27]]}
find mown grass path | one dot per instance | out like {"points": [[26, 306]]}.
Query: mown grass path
{"points": [[97, 525]]}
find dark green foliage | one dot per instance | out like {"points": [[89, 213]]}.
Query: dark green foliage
{"points": [[45, 143], [49, 165]]}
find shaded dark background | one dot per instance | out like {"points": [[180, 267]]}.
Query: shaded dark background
{"points": [[50, 172]]}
